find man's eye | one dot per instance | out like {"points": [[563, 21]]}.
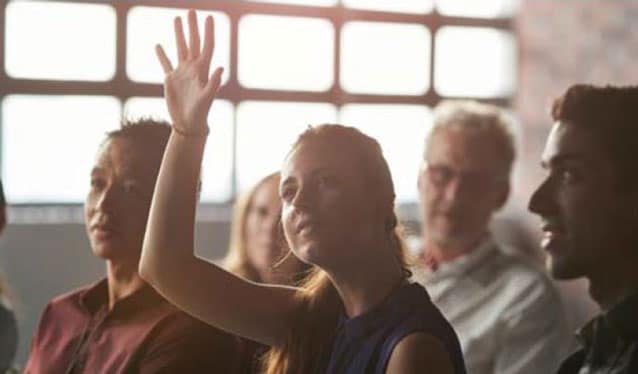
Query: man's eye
{"points": [[97, 183], [287, 194], [130, 187], [326, 180], [262, 211], [568, 176], [439, 174]]}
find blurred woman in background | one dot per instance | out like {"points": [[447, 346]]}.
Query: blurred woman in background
{"points": [[257, 249]]}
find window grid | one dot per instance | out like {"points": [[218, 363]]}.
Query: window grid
{"points": [[123, 88]]}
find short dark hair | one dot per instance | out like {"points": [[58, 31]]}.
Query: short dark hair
{"points": [[612, 113], [150, 133], [146, 131]]}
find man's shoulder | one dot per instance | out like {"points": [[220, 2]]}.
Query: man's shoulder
{"points": [[528, 285], [73, 294], [62, 316], [514, 279], [70, 299], [517, 269]]}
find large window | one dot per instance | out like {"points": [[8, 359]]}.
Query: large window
{"points": [[72, 69]]}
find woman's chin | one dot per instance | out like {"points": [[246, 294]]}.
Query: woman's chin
{"points": [[308, 253]]}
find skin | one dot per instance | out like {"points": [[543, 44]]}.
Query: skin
{"points": [[116, 209], [588, 220], [261, 228], [462, 183], [420, 353], [263, 242], [259, 312], [324, 209], [329, 222]]}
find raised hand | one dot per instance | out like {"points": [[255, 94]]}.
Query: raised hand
{"points": [[188, 89]]}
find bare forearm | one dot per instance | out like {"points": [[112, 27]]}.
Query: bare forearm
{"points": [[170, 228], [213, 295], [195, 285]]}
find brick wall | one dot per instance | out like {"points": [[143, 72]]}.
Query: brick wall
{"points": [[564, 42]]}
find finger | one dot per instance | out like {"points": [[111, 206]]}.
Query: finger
{"points": [[180, 41], [163, 59], [193, 30], [209, 43], [213, 83]]}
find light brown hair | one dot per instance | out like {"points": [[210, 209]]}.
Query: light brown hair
{"points": [[236, 259]]}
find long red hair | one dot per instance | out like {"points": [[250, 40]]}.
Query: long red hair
{"points": [[315, 322]]}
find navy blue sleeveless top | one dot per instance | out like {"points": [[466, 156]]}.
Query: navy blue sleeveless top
{"points": [[363, 344]]}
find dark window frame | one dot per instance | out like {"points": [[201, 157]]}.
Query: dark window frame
{"points": [[123, 88]]}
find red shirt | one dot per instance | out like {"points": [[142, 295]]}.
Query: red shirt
{"points": [[142, 333]]}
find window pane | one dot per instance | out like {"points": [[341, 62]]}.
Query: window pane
{"points": [[403, 6], [400, 129], [267, 130], [286, 53], [148, 26], [49, 144], [474, 61], [300, 2], [218, 156], [482, 8], [58, 41], [385, 58], [153, 107]]}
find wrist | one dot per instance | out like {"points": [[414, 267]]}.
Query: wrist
{"points": [[197, 132]]}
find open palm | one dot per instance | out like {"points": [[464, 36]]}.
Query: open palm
{"points": [[188, 89]]}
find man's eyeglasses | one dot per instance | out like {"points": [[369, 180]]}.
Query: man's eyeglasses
{"points": [[440, 175]]}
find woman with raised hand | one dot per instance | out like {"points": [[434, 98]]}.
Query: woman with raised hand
{"points": [[357, 311]]}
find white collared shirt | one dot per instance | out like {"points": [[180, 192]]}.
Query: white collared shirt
{"points": [[507, 314]]}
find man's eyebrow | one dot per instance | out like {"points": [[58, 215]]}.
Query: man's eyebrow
{"points": [[139, 177], [313, 173], [97, 170], [286, 181], [562, 159]]}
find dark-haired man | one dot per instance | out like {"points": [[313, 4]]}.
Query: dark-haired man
{"points": [[120, 324], [589, 208]]}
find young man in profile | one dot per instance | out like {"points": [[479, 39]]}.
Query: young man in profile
{"points": [[589, 208]]}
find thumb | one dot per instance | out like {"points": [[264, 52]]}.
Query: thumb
{"points": [[212, 86]]}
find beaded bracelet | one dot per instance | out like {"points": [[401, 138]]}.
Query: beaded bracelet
{"points": [[192, 134]]}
